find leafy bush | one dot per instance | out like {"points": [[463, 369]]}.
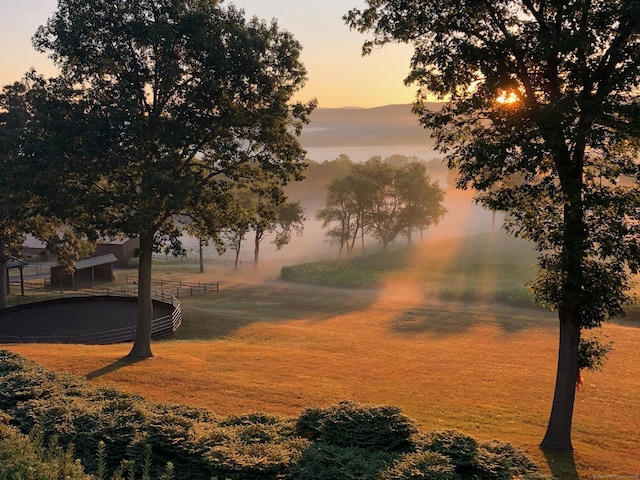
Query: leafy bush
{"points": [[502, 461], [348, 424], [329, 462], [419, 466], [460, 448], [23, 456]]}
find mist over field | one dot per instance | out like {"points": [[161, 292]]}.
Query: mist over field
{"points": [[360, 133]]}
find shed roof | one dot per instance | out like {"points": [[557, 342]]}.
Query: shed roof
{"points": [[95, 261], [15, 263]]}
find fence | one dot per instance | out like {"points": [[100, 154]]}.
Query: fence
{"points": [[162, 290], [178, 288], [161, 326]]}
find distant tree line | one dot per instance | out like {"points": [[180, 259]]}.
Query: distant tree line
{"points": [[383, 199]]}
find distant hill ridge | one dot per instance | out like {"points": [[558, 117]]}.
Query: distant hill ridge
{"points": [[352, 126]]}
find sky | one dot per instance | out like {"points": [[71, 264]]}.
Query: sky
{"points": [[338, 75]]}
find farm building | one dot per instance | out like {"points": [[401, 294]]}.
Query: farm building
{"points": [[12, 264], [88, 271], [35, 250], [123, 249]]}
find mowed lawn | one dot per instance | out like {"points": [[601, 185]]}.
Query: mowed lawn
{"points": [[487, 369]]}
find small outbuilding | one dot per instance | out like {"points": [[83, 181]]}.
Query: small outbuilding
{"points": [[124, 249], [15, 263], [88, 271]]}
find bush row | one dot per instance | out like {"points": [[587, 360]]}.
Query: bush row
{"points": [[343, 441]]}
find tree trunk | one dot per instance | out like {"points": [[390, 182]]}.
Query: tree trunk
{"points": [[142, 341], [200, 242], [256, 250], [4, 282], [353, 240], [558, 436], [238, 245]]}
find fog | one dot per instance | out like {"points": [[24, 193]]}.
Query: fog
{"points": [[361, 134], [363, 153], [464, 217]]}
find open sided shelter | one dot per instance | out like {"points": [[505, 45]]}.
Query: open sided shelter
{"points": [[15, 263], [88, 271]]}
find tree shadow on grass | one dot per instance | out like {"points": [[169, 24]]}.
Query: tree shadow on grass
{"points": [[562, 464], [221, 315], [117, 365], [450, 318]]}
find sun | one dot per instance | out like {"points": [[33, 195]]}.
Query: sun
{"points": [[508, 97]]}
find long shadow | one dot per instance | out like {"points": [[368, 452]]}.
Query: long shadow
{"points": [[451, 317], [117, 365], [561, 464], [220, 315]]}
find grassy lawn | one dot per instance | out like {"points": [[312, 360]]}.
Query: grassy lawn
{"points": [[486, 368], [488, 267]]}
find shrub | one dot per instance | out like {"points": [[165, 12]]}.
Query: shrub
{"points": [[460, 448], [237, 460], [502, 461], [349, 424], [329, 462], [23, 456], [419, 466]]}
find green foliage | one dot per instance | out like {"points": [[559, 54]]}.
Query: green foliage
{"points": [[348, 424], [507, 263], [592, 353], [421, 466], [329, 462], [117, 436], [459, 448], [26, 457], [502, 461]]}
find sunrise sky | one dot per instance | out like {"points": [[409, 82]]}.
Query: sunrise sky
{"points": [[338, 75]]}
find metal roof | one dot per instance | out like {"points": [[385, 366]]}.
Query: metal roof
{"points": [[95, 261], [15, 263]]}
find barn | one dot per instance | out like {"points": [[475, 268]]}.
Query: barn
{"points": [[87, 272]]}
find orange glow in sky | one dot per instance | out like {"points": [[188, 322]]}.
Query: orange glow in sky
{"points": [[338, 75]]}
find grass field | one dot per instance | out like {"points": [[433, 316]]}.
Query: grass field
{"points": [[485, 368]]}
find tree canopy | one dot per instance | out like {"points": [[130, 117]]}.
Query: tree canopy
{"points": [[542, 118], [14, 200], [161, 109], [382, 198]]}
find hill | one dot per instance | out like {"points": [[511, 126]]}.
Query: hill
{"points": [[387, 125]]}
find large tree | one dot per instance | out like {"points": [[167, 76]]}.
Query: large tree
{"points": [[15, 199], [547, 90], [380, 198], [345, 214], [170, 105]]}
